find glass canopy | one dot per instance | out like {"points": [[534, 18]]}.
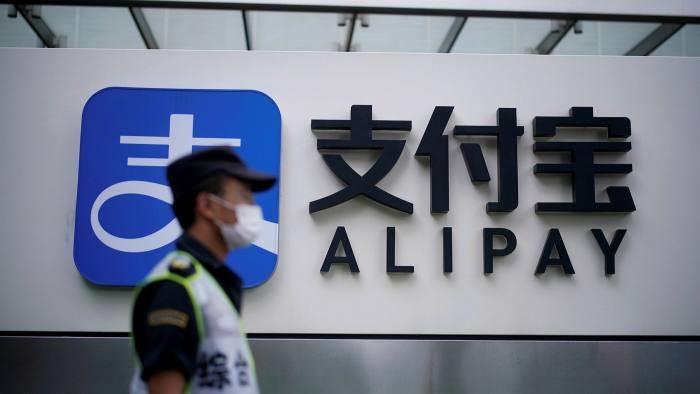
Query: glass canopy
{"points": [[213, 27]]}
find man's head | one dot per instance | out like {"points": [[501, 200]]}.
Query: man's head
{"points": [[213, 189]]}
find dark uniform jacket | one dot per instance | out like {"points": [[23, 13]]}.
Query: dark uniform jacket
{"points": [[163, 322]]}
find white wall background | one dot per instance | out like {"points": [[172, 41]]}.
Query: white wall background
{"points": [[655, 289]]}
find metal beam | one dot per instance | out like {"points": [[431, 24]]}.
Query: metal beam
{"points": [[348, 9], [351, 32], [654, 39], [31, 14], [149, 40], [452, 34], [550, 41], [246, 30]]}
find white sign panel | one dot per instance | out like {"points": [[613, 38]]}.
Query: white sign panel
{"points": [[653, 290]]}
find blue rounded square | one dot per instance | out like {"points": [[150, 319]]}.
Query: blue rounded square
{"points": [[124, 224]]}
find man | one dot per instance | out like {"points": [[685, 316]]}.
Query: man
{"points": [[185, 322]]}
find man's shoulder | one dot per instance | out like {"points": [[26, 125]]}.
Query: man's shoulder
{"points": [[163, 294], [167, 283], [181, 264], [176, 262], [166, 274]]}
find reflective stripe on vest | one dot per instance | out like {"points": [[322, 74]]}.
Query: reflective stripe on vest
{"points": [[224, 361]]}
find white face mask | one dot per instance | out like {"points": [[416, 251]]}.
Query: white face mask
{"points": [[249, 223]]}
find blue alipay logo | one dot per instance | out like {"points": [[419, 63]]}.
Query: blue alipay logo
{"points": [[124, 224]]}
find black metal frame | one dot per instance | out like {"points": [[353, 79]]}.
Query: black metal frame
{"points": [[246, 30], [657, 37], [452, 34], [40, 28], [351, 32], [149, 40], [670, 24], [552, 39]]}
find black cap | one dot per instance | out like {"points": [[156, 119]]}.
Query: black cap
{"points": [[190, 170]]}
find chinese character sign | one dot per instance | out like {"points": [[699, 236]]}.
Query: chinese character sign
{"points": [[581, 167]]}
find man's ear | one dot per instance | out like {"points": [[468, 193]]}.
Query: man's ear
{"points": [[204, 207]]}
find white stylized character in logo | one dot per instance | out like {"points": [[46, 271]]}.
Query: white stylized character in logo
{"points": [[180, 142]]}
